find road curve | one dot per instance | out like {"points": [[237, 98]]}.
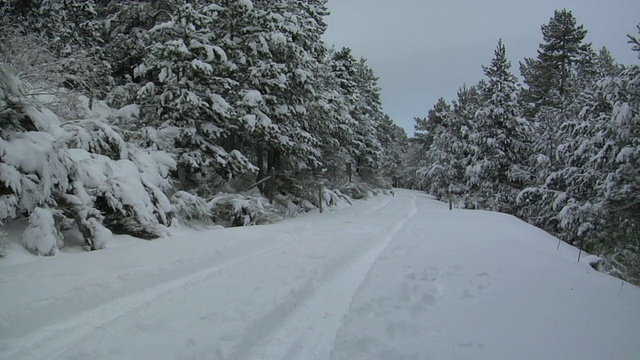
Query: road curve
{"points": [[270, 292]]}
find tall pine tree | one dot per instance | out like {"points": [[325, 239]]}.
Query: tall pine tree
{"points": [[500, 139], [549, 77]]}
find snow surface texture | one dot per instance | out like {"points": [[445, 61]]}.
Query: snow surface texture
{"points": [[392, 278]]}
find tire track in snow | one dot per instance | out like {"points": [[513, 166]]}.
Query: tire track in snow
{"points": [[309, 331], [39, 344], [378, 208]]}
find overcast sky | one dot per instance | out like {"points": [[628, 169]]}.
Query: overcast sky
{"points": [[426, 49]]}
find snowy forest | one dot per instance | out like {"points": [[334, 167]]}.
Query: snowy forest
{"points": [[123, 116], [560, 150], [127, 116]]}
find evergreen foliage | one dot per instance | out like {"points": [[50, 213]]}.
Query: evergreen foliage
{"points": [[549, 77], [561, 152], [441, 171], [500, 139], [83, 171], [232, 111]]}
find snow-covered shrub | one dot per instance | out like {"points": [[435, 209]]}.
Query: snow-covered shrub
{"points": [[95, 136], [84, 170], [290, 207], [333, 197], [359, 190], [242, 210], [133, 203], [623, 263], [42, 236], [78, 208], [186, 206], [32, 167]]}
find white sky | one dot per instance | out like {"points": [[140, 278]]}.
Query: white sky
{"points": [[426, 49]]}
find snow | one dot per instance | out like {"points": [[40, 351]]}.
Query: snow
{"points": [[626, 153], [219, 104], [252, 98], [393, 278], [202, 66], [249, 120], [162, 26], [38, 144], [177, 46], [248, 4], [38, 236], [129, 112], [278, 38], [43, 119], [264, 120]]}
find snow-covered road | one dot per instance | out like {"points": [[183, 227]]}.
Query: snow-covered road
{"points": [[392, 278]]}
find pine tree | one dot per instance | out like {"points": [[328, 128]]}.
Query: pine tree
{"points": [[183, 97], [367, 111], [76, 174], [276, 55], [442, 168], [500, 138], [565, 66], [362, 98], [442, 150], [393, 140], [589, 198], [549, 77], [75, 33]]}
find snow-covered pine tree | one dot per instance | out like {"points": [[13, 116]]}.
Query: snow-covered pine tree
{"points": [[565, 65], [495, 174], [441, 149], [75, 173], [124, 26], [367, 111], [342, 66], [296, 47], [589, 199], [362, 98], [73, 31], [559, 80], [255, 37], [183, 100], [334, 125], [441, 170], [601, 208], [549, 77], [394, 142]]}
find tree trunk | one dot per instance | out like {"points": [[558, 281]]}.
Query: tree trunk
{"points": [[273, 160], [261, 171]]}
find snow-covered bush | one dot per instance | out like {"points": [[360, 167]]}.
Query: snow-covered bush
{"points": [[189, 207], [623, 263], [42, 235], [242, 210], [85, 171], [290, 206], [359, 190]]}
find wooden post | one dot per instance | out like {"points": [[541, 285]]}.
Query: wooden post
{"points": [[320, 199], [581, 244]]}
